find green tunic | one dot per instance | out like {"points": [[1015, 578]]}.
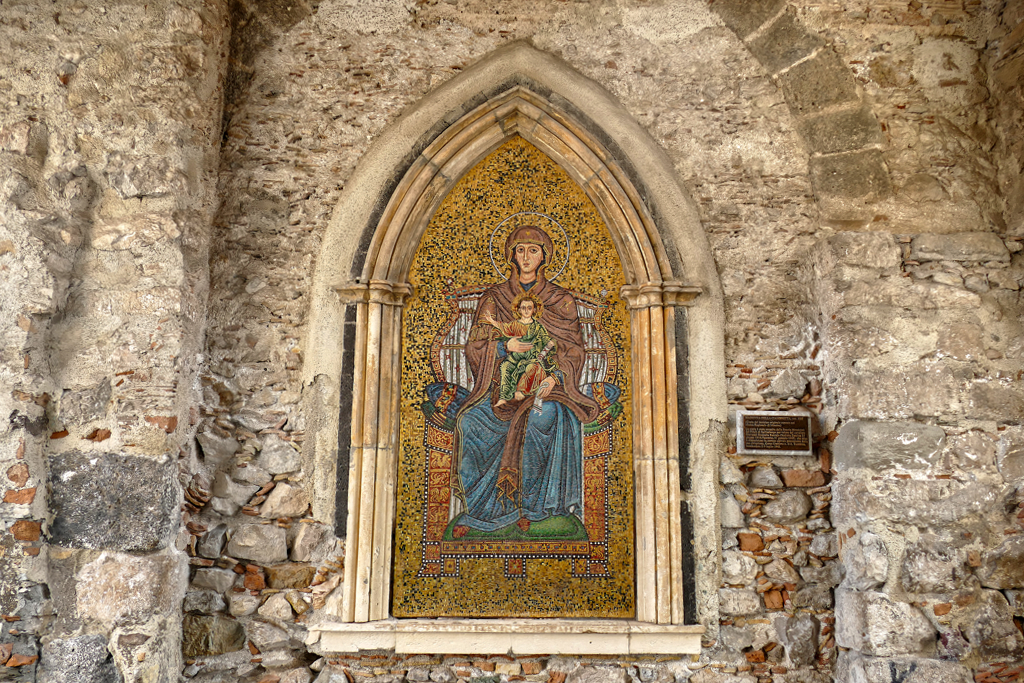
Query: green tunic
{"points": [[527, 368]]}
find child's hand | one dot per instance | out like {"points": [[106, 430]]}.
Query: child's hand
{"points": [[517, 345]]}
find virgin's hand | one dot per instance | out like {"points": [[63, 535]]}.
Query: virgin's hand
{"points": [[516, 345], [545, 388]]}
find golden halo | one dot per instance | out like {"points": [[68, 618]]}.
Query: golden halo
{"points": [[560, 257]]}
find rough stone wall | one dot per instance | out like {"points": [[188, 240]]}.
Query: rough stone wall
{"points": [[109, 133], [857, 165], [1005, 62]]}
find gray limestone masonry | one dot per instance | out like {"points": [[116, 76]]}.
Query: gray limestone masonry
{"points": [[176, 177], [109, 501]]}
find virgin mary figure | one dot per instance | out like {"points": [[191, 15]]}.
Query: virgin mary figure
{"points": [[521, 462]]}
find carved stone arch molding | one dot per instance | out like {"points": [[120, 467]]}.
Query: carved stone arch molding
{"points": [[353, 373]]}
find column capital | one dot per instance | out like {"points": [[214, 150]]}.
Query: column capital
{"points": [[383, 292], [650, 294]]}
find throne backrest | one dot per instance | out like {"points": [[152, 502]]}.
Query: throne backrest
{"points": [[448, 355]]}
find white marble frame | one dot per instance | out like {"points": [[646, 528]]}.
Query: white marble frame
{"points": [[653, 292]]}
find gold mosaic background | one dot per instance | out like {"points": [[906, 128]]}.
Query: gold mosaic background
{"points": [[454, 253]]}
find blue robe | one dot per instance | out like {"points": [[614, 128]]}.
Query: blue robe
{"points": [[512, 462], [552, 466]]}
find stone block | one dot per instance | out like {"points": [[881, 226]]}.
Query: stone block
{"points": [[933, 569], [825, 545], [332, 675], [262, 543], [214, 579], [308, 538], [863, 669], [212, 542], [117, 589], [930, 502], [290, 575], [225, 507], [961, 341], [738, 568], [830, 575], [892, 298], [787, 384], [443, 674], [278, 456], [991, 629], [874, 624], [108, 501], [738, 601], [784, 43], [250, 474], [994, 400], [841, 131], [787, 507], [1003, 567], [728, 473], [297, 675], [84, 659], [813, 596], [799, 635], [1015, 598], [735, 638], [864, 249], [962, 246], [277, 607], [781, 571], [820, 82], [211, 635], [866, 562], [300, 602], [225, 487], [598, 674], [888, 445], [765, 477], [746, 16], [732, 515], [216, 449], [242, 604], [285, 501], [204, 601], [85, 405], [858, 176], [266, 636], [885, 390]]}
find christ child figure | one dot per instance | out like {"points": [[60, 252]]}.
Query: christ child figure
{"points": [[521, 372]]}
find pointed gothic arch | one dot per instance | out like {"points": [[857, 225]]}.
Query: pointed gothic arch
{"points": [[361, 281]]}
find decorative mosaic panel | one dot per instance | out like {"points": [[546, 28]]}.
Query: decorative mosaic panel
{"points": [[515, 494]]}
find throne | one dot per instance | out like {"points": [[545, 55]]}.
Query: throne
{"points": [[454, 382]]}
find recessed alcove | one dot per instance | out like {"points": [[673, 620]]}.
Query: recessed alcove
{"points": [[670, 304]]}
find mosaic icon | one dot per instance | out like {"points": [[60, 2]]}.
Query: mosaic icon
{"points": [[521, 428]]}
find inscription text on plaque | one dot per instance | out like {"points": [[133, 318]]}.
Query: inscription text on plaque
{"points": [[773, 432]]}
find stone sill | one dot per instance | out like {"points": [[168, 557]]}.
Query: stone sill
{"points": [[513, 636]]}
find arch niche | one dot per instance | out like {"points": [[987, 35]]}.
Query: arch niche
{"points": [[675, 306]]}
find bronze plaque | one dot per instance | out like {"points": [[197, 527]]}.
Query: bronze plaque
{"points": [[773, 432]]}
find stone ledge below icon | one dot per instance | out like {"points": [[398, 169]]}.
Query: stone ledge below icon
{"points": [[515, 636]]}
